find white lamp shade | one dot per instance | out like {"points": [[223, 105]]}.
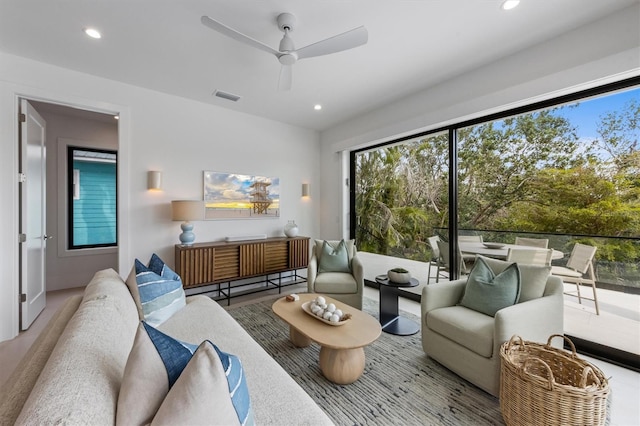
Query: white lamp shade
{"points": [[187, 210]]}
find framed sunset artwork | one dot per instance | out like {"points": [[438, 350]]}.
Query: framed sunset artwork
{"points": [[237, 196]]}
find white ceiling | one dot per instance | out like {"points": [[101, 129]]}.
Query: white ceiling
{"points": [[161, 45]]}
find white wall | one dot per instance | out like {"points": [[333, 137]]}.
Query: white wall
{"points": [[602, 52], [179, 137]]}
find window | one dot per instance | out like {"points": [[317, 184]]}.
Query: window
{"points": [[92, 198], [401, 196], [565, 170]]}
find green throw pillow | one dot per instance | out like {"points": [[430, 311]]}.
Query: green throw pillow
{"points": [[533, 278], [334, 259], [488, 293]]}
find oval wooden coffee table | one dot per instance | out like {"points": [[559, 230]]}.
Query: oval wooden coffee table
{"points": [[341, 347]]}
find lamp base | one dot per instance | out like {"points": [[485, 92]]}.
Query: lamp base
{"points": [[187, 237]]}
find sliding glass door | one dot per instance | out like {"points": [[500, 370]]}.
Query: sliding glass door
{"points": [[566, 171]]}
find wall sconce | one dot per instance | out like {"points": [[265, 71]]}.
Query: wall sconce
{"points": [[305, 189], [154, 180], [187, 210]]}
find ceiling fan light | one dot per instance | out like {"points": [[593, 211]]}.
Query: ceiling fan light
{"points": [[93, 33], [509, 4]]}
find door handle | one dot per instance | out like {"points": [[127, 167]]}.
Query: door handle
{"points": [[48, 237]]}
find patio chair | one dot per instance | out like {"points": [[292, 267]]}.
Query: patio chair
{"points": [[446, 261], [530, 256], [435, 259], [533, 242], [579, 270], [470, 258], [470, 238]]}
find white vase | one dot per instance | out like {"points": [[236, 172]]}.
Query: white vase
{"points": [[291, 229]]}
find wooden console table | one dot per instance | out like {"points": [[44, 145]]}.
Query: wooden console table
{"points": [[204, 264]]}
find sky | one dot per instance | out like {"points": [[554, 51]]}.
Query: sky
{"points": [[587, 115]]}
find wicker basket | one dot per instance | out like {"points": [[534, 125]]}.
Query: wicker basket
{"points": [[543, 385]]}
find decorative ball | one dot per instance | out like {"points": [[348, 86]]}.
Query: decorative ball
{"points": [[334, 318], [320, 312], [327, 315], [320, 300], [331, 307], [338, 312]]}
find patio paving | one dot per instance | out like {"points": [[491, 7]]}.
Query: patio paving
{"points": [[617, 326]]}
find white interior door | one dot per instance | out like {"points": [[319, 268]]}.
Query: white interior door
{"points": [[32, 214]]}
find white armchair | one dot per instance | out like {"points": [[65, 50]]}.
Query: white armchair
{"points": [[468, 342], [345, 287]]}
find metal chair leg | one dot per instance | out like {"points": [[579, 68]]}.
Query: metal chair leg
{"points": [[595, 298]]}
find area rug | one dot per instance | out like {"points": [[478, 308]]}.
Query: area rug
{"points": [[400, 384]]}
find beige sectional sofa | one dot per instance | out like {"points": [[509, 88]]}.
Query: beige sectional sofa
{"points": [[72, 373]]}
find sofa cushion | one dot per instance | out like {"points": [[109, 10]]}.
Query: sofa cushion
{"points": [[80, 382], [466, 327], [335, 282], [156, 289], [146, 380], [487, 292], [196, 398], [155, 363], [533, 278], [204, 319], [334, 259]]}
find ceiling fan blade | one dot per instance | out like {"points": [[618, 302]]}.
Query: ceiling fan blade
{"points": [[230, 32], [284, 83], [348, 40]]}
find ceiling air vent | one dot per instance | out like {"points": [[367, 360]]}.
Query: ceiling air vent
{"points": [[226, 95]]}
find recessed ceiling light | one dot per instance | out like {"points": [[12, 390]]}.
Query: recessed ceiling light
{"points": [[92, 32], [317, 107], [509, 4]]}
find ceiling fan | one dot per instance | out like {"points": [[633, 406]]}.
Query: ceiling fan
{"points": [[287, 54]]}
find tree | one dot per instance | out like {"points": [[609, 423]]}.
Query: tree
{"points": [[401, 195], [498, 160]]}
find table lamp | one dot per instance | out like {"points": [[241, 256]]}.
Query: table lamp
{"points": [[187, 210]]}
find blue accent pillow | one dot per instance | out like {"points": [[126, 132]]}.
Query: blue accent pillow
{"points": [[176, 355], [157, 290], [238, 390], [334, 259], [488, 293]]}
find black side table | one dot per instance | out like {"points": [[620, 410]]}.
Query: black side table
{"points": [[390, 320]]}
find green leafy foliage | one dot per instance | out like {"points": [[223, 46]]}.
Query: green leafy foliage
{"points": [[529, 173]]}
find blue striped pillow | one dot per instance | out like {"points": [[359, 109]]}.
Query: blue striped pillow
{"points": [[238, 390], [176, 355], [160, 291]]}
